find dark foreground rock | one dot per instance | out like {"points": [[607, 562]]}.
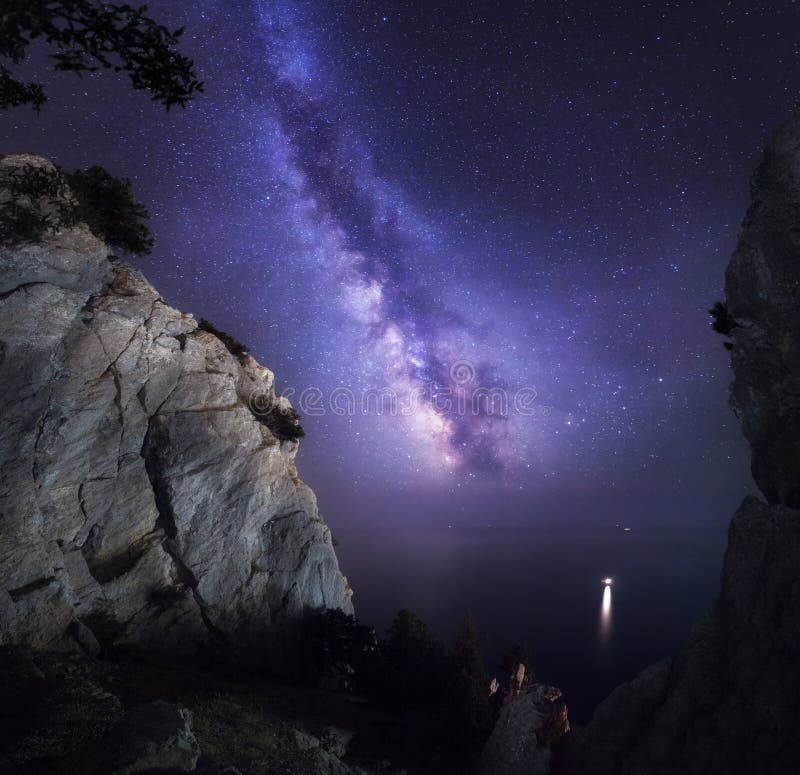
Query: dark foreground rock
{"points": [[730, 702], [523, 737], [152, 736], [68, 713], [762, 290]]}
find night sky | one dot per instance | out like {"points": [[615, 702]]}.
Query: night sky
{"points": [[534, 197]]}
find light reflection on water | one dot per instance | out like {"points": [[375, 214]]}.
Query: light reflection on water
{"points": [[540, 587], [605, 615]]}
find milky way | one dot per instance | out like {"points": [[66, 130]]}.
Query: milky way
{"points": [[372, 246], [460, 209]]}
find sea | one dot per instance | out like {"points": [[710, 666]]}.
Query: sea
{"points": [[547, 587]]}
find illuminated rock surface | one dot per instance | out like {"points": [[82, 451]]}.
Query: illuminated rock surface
{"points": [[144, 495]]}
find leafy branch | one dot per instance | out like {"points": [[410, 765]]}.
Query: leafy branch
{"points": [[90, 35]]}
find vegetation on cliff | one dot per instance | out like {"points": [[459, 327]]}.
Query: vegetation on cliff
{"points": [[410, 670], [41, 199]]}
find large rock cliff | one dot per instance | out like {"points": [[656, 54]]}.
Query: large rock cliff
{"points": [[147, 492], [730, 702], [763, 298]]}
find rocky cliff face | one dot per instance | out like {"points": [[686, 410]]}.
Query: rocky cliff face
{"points": [[730, 702], [147, 492], [763, 295]]}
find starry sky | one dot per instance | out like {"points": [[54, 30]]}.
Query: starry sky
{"points": [[452, 203]]}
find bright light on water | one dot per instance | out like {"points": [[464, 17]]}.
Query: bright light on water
{"points": [[605, 614]]}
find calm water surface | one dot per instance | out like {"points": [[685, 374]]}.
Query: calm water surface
{"points": [[543, 586]]}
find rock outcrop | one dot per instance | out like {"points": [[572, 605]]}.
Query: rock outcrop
{"points": [[762, 292], [326, 752], [154, 736], [730, 702], [523, 737], [148, 492]]}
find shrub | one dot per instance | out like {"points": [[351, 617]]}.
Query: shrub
{"points": [[414, 665], [337, 646], [413, 670], [470, 714], [723, 322], [233, 346], [283, 423], [409, 669], [106, 205], [38, 202], [517, 655]]}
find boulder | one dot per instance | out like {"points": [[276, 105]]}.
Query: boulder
{"points": [[326, 752], [153, 736], [336, 740], [524, 734]]}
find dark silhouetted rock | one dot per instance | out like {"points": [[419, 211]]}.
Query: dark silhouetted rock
{"points": [[153, 736], [763, 295], [336, 740], [730, 702], [522, 739]]}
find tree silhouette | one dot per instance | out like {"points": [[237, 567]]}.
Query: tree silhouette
{"points": [[106, 205], [517, 654], [89, 35], [469, 692], [415, 662], [723, 322], [44, 199], [36, 201]]}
